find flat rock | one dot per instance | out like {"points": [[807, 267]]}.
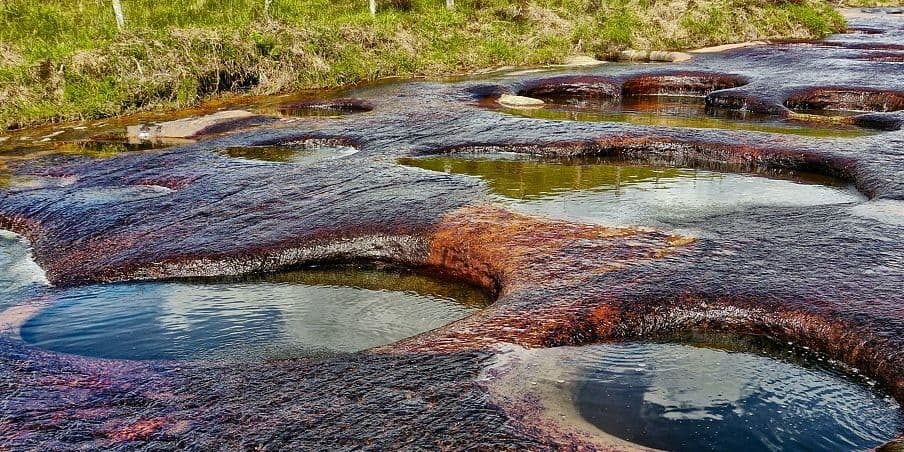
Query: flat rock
{"points": [[727, 47], [653, 55], [193, 127], [582, 60], [519, 101]]}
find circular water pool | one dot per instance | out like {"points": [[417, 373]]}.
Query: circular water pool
{"points": [[301, 313], [714, 392]]}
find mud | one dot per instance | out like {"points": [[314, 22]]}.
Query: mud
{"points": [[827, 277]]}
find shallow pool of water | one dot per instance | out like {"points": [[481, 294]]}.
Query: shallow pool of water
{"points": [[297, 154], [612, 192], [680, 111], [301, 313], [698, 392], [708, 395]]}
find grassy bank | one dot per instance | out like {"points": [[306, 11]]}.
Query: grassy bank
{"points": [[66, 59]]}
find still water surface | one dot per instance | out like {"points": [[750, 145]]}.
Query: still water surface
{"points": [[680, 111], [306, 312], [606, 191], [712, 392]]}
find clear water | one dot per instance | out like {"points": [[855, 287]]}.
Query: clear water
{"points": [[606, 191], [298, 154], [718, 393], [680, 111], [301, 313], [20, 276], [27, 182]]}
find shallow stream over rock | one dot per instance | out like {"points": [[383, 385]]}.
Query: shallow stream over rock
{"points": [[744, 212]]}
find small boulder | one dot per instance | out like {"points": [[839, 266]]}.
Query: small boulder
{"points": [[509, 100]]}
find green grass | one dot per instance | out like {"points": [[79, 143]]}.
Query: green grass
{"points": [[65, 59]]}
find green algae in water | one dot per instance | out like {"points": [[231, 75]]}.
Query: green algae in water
{"points": [[684, 112], [308, 312], [607, 191], [300, 154]]}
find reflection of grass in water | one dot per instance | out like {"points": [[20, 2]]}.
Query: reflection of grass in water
{"points": [[523, 177], [378, 278], [683, 115], [296, 154], [281, 154], [99, 150], [87, 148], [532, 179]]}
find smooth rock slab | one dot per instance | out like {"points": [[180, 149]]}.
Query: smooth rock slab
{"points": [[189, 127]]}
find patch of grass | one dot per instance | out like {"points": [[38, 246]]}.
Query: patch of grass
{"points": [[66, 59]]}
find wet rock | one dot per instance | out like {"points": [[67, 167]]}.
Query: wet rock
{"points": [[846, 98], [893, 446], [572, 87], [519, 101], [828, 278], [681, 83], [864, 30], [879, 121], [885, 57], [338, 106], [744, 101]]}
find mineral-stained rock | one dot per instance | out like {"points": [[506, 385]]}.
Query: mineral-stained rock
{"points": [[828, 278]]}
